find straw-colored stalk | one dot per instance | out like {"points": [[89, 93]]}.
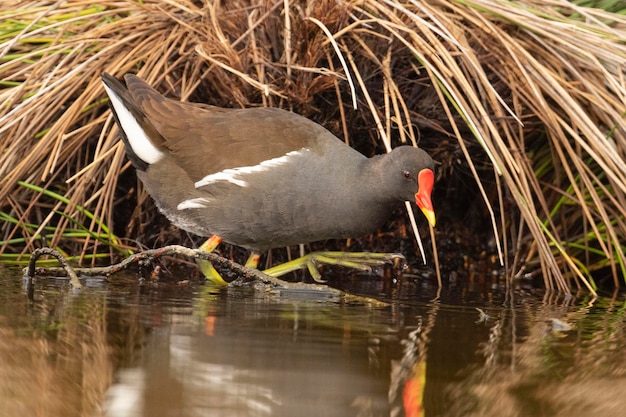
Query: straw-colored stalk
{"points": [[534, 88]]}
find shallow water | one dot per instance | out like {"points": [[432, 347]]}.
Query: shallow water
{"points": [[117, 349]]}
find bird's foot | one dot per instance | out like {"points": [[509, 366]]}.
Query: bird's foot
{"points": [[206, 267], [363, 261]]}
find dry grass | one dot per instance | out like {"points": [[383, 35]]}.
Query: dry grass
{"points": [[527, 98]]}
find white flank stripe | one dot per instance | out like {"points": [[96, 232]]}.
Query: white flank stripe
{"points": [[139, 141], [199, 202], [233, 175]]}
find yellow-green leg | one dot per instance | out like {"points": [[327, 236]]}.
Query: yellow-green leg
{"points": [[253, 260], [357, 260], [205, 266], [363, 261]]}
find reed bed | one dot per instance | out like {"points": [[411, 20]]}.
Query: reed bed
{"points": [[521, 103]]}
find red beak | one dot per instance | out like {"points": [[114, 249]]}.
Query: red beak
{"points": [[425, 182]]}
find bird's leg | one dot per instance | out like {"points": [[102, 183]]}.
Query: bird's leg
{"points": [[205, 266], [253, 260], [362, 261]]}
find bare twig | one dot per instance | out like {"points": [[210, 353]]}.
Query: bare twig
{"points": [[65, 267], [246, 274]]}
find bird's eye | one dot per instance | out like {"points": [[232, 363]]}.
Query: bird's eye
{"points": [[406, 174]]}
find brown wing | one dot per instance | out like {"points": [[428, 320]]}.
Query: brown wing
{"points": [[210, 139]]}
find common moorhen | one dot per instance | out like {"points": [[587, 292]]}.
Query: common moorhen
{"points": [[260, 178]]}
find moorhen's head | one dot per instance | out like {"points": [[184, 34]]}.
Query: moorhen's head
{"points": [[409, 174]]}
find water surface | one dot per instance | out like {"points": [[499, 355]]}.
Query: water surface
{"points": [[118, 349]]}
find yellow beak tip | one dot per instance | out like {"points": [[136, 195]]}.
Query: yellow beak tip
{"points": [[430, 216]]}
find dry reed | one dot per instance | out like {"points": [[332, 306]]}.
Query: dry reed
{"points": [[527, 98]]}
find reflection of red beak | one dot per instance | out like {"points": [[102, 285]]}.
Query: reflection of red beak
{"points": [[425, 182]]}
